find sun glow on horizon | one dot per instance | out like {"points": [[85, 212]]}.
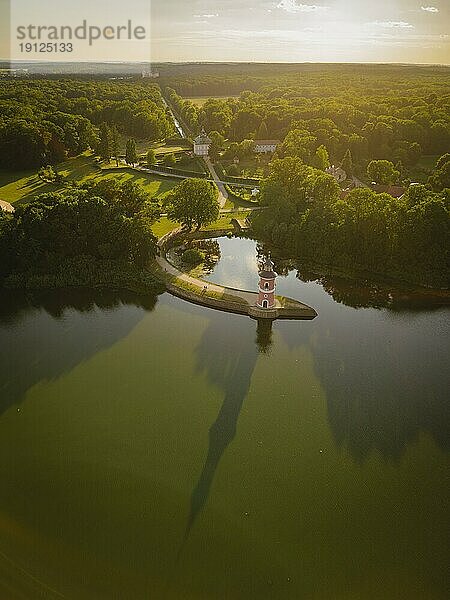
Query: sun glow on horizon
{"points": [[397, 31]]}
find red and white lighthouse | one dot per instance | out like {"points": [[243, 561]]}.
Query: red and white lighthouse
{"points": [[266, 291]]}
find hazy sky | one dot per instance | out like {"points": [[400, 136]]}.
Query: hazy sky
{"points": [[289, 30], [279, 30]]}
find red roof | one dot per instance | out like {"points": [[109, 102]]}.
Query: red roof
{"points": [[393, 190]]}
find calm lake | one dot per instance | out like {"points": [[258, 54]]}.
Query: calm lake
{"points": [[153, 449]]}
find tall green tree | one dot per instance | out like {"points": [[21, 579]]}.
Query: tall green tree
{"points": [[347, 164], [299, 143], [321, 159], [151, 158], [115, 144], [382, 172], [194, 203], [128, 197], [217, 142], [131, 156], [440, 177], [105, 142], [22, 145]]}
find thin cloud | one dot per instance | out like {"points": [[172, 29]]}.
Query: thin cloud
{"points": [[391, 24], [292, 6], [431, 9], [208, 16]]}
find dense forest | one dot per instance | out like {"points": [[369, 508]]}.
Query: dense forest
{"points": [[377, 122], [360, 234], [313, 80], [94, 235], [44, 121], [374, 112]]}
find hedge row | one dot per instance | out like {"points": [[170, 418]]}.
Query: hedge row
{"points": [[182, 172], [231, 179]]}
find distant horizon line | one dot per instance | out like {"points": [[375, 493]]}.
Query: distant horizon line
{"points": [[217, 62]]}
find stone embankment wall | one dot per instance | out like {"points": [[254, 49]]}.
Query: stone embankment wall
{"points": [[294, 310], [204, 300]]}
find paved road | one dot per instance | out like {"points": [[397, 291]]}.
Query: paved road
{"points": [[223, 194]]}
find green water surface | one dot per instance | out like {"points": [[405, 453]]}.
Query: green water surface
{"points": [[152, 449]]}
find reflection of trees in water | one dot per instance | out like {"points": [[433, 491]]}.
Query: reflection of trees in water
{"points": [[397, 392], [44, 335], [211, 248], [227, 354], [385, 380], [365, 294], [362, 293], [384, 372]]}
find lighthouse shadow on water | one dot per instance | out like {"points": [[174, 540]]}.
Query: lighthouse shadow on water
{"points": [[231, 370]]}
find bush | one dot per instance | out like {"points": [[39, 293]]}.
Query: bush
{"points": [[193, 256], [233, 170], [170, 160], [47, 174]]}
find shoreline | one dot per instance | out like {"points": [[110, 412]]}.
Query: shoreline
{"points": [[212, 295], [364, 278]]}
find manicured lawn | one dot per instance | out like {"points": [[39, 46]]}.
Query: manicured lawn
{"points": [[237, 203], [156, 186], [15, 187], [163, 226], [144, 145], [169, 149], [251, 166], [25, 185], [22, 186], [224, 221]]}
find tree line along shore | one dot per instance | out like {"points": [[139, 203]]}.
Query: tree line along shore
{"points": [[100, 230]]}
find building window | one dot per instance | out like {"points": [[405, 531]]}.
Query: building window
{"points": [[265, 304], [266, 286]]}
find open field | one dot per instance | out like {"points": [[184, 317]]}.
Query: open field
{"points": [[144, 145], [168, 149], [23, 186]]}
